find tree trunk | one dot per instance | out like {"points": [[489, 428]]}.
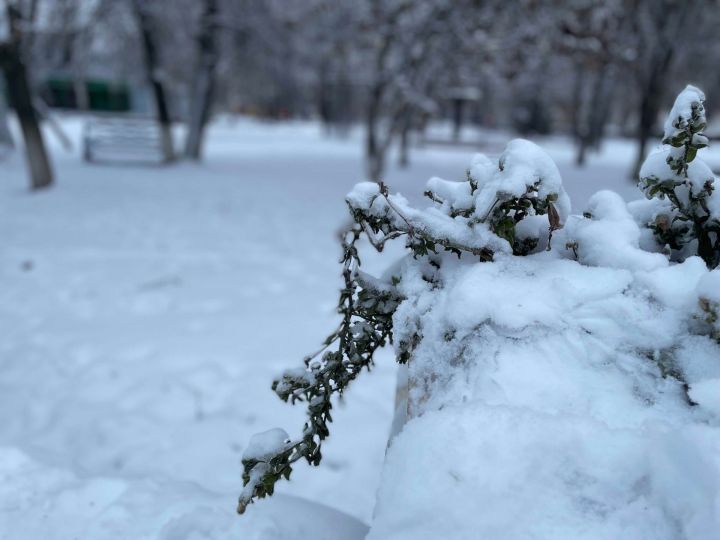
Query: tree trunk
{"points": [[642, 137], [651, 96], [203, 91], [324, 98], [82, 101], [374, 158], [651, 85], [582, 149], [590, 121], [601, 106], [41, 175], [18, 88], [5, 135], [457, 117], [404, 150], [145, 27], [578, 117], [82, 97]]}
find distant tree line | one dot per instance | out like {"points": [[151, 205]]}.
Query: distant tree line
{"points": [[580, 67]]}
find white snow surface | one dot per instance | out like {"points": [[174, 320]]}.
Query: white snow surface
{"points": [[539, 409], [55, 504], [610, 238], [709, 286], [552, 396], [145, 312], [681, 110], [707, 394]]}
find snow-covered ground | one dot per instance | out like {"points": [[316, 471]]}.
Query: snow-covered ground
{"points": [[145, 311]]}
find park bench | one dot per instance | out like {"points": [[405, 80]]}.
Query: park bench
{"points": [[130, 140]]}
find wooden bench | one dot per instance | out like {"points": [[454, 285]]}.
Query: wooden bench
{"points": [[129, 140]]}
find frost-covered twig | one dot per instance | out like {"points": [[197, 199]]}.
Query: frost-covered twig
{"points": [[366, 325]]}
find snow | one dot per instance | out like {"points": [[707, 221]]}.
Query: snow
{"points": [[265, 444], [676, 285], [709, 286], [455, 195], [674, 167], [587, 481], [556, 395], [691, 356], [366, 197], [707, 394], [55, 504], [656, 165], [145, 312], [261, 448], [521, 165], [539, 381], [461, 210], [482, 167], [609, 238], [682, 110]]}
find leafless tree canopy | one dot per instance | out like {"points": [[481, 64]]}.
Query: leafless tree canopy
{"points": [[579, 67]]}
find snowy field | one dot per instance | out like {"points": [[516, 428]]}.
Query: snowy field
{"points": [[145, 311]]}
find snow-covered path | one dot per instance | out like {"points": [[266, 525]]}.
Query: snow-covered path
{"points": [[144, 312]]}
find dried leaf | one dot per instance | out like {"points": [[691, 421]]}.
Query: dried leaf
{"points": [[553, 217]]}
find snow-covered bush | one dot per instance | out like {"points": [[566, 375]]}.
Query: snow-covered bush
{"points": [[689, 221], [562, 380], [709, 293], [511, 207]]}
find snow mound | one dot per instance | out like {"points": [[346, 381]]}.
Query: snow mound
{"points": [[39, 501], [546, 398], [709, 286], [707, 394], [516, 473], [609, 237]]}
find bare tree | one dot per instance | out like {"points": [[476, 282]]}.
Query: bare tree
{"points": [[73, 45], [403, 37], [148, 30], [6, 138], [20, 93], [591, 35], [663, 29], [204, 84]]}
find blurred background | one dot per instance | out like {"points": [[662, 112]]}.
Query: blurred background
{"points": [[197, 153], [581, 68]]}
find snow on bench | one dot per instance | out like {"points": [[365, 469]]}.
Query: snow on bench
{"points": [[116, 139]]}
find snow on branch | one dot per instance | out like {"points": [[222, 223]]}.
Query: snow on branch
{"points": [[691, 224], [485, 214]]}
